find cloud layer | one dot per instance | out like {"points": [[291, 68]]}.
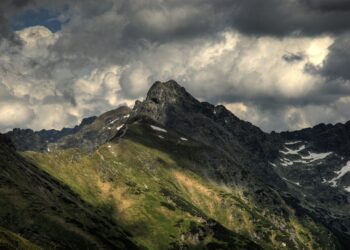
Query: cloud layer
{"points": [[282, 67]]}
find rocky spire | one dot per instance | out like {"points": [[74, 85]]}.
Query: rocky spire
{"points": [[171, 106]]}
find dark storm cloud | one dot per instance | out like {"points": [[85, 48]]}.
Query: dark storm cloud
{"points": [[171, 20], [338, 60], [9, 8], [293, 57], [299, 17], [329, 5]]}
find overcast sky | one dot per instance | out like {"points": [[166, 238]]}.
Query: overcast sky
{"points": [[282, 65]]}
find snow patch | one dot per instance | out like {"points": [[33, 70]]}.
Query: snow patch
{"points": [[301, 161], [273, 164], [125, 116], [114, 121], [295, 183], [340, 174], [183, 139], [292, 151], [347, 189], [161, 137], [316, 156], [158, 129], [120, 127], [292, 142], [285, 162]]}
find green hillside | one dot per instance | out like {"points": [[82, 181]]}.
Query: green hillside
{"points": [[146, 183], [12, 241], [38, 207]]}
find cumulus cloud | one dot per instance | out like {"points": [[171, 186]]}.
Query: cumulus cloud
{"points": [[282, 68], [14, 114], [51, 93]]}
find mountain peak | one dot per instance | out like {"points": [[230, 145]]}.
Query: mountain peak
{"points": [[168, 92], [164, 101]]}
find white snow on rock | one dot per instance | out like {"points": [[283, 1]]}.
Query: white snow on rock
{"points": [[311, 157], [315, 156], [292, 142], [158, 129], [295, 183], [161, 137], [347, 189], [288, 151], [183, 139], [273, 164], [120, 127], [301, 161], [111, 122], [125, 116], [285, 162], [340, 174]]}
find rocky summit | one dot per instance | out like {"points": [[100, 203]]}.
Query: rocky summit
{"points": [[175, 173]]}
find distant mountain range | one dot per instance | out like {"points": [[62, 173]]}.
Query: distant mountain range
{"points": [[175, 173]]}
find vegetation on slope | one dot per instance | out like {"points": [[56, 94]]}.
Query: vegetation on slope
{"points": [[144, 180], [39, 208], [12, 241]]}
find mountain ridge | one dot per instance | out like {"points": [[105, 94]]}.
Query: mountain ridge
{"points": [[279, 172]]}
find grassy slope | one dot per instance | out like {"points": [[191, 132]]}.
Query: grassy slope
{"points": [[46, 212], [9, 240], [152, 193]]}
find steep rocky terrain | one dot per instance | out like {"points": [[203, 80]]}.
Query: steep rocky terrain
{"points": [[177, 173], [315, 163], [171, 106], [27, 139], [89, 134]]}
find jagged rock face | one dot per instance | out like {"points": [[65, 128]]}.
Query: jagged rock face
{"points": [[27, 139], [317, 177], [102, 129], [172, 106], [5, 141], [89, 134], [325, 137]]}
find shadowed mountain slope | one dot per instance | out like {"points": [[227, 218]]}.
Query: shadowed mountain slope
{"points": [[47, 212]]}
